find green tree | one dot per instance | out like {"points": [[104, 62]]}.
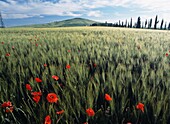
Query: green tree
{"points": [[161, 24], [165, 26], [138, 25], [156, 22], [126, 23], [119, 24], [145, 23], [150, 24], [169, 26], [131, 23]]}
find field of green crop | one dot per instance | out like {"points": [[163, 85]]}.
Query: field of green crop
{"points": [[84, 75]]}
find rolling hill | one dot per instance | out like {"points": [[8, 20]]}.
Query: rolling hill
{"points": [[65, 23]]}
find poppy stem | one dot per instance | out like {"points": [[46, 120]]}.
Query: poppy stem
{"points": [[14, 118], [138, 118], [59, 119], [50, 108]]}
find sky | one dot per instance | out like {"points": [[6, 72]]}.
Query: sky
{"points": [[25, 12]]}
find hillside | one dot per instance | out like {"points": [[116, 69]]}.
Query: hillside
{"points": [[65, 23]]}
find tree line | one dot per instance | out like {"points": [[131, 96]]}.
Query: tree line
{"points": [[147, 24]]}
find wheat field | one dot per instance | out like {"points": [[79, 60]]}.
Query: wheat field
{"points": [[122, 75]]}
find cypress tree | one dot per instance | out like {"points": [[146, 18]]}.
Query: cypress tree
{"points": [[126, 23], [138, 25], [119, 24], [131, 23], [161, 24], [150, 24], [156, 22], [122, 24], [145, 23], [165, 26], [169, 26]]}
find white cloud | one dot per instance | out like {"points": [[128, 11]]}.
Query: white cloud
{"points": [[39, 8], [92, 8], [154, 5], [13, 16], [95, 13], [72, 14]]}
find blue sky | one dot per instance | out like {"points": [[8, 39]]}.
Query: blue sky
{"points": [[23, 12]]}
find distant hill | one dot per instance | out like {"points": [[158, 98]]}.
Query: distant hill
{"points": [[65, 23]]}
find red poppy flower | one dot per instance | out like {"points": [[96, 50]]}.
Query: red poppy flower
{"points": [[69, 51], [107, 97], [9, 109], [140, 106], [55, 77], [6, 104], [36, 44], [28, 87], [36, 93], [94, 65], [47, 120], [68, 66], [52, 97], [36, 98], [128, 123], [7, 54], [85, 123], [45, 65], [2, 42], [60, 112], [38, 80], [166, 54], [90, 112]]}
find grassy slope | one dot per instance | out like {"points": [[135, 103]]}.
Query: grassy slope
{"points": [[65, 23]]}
